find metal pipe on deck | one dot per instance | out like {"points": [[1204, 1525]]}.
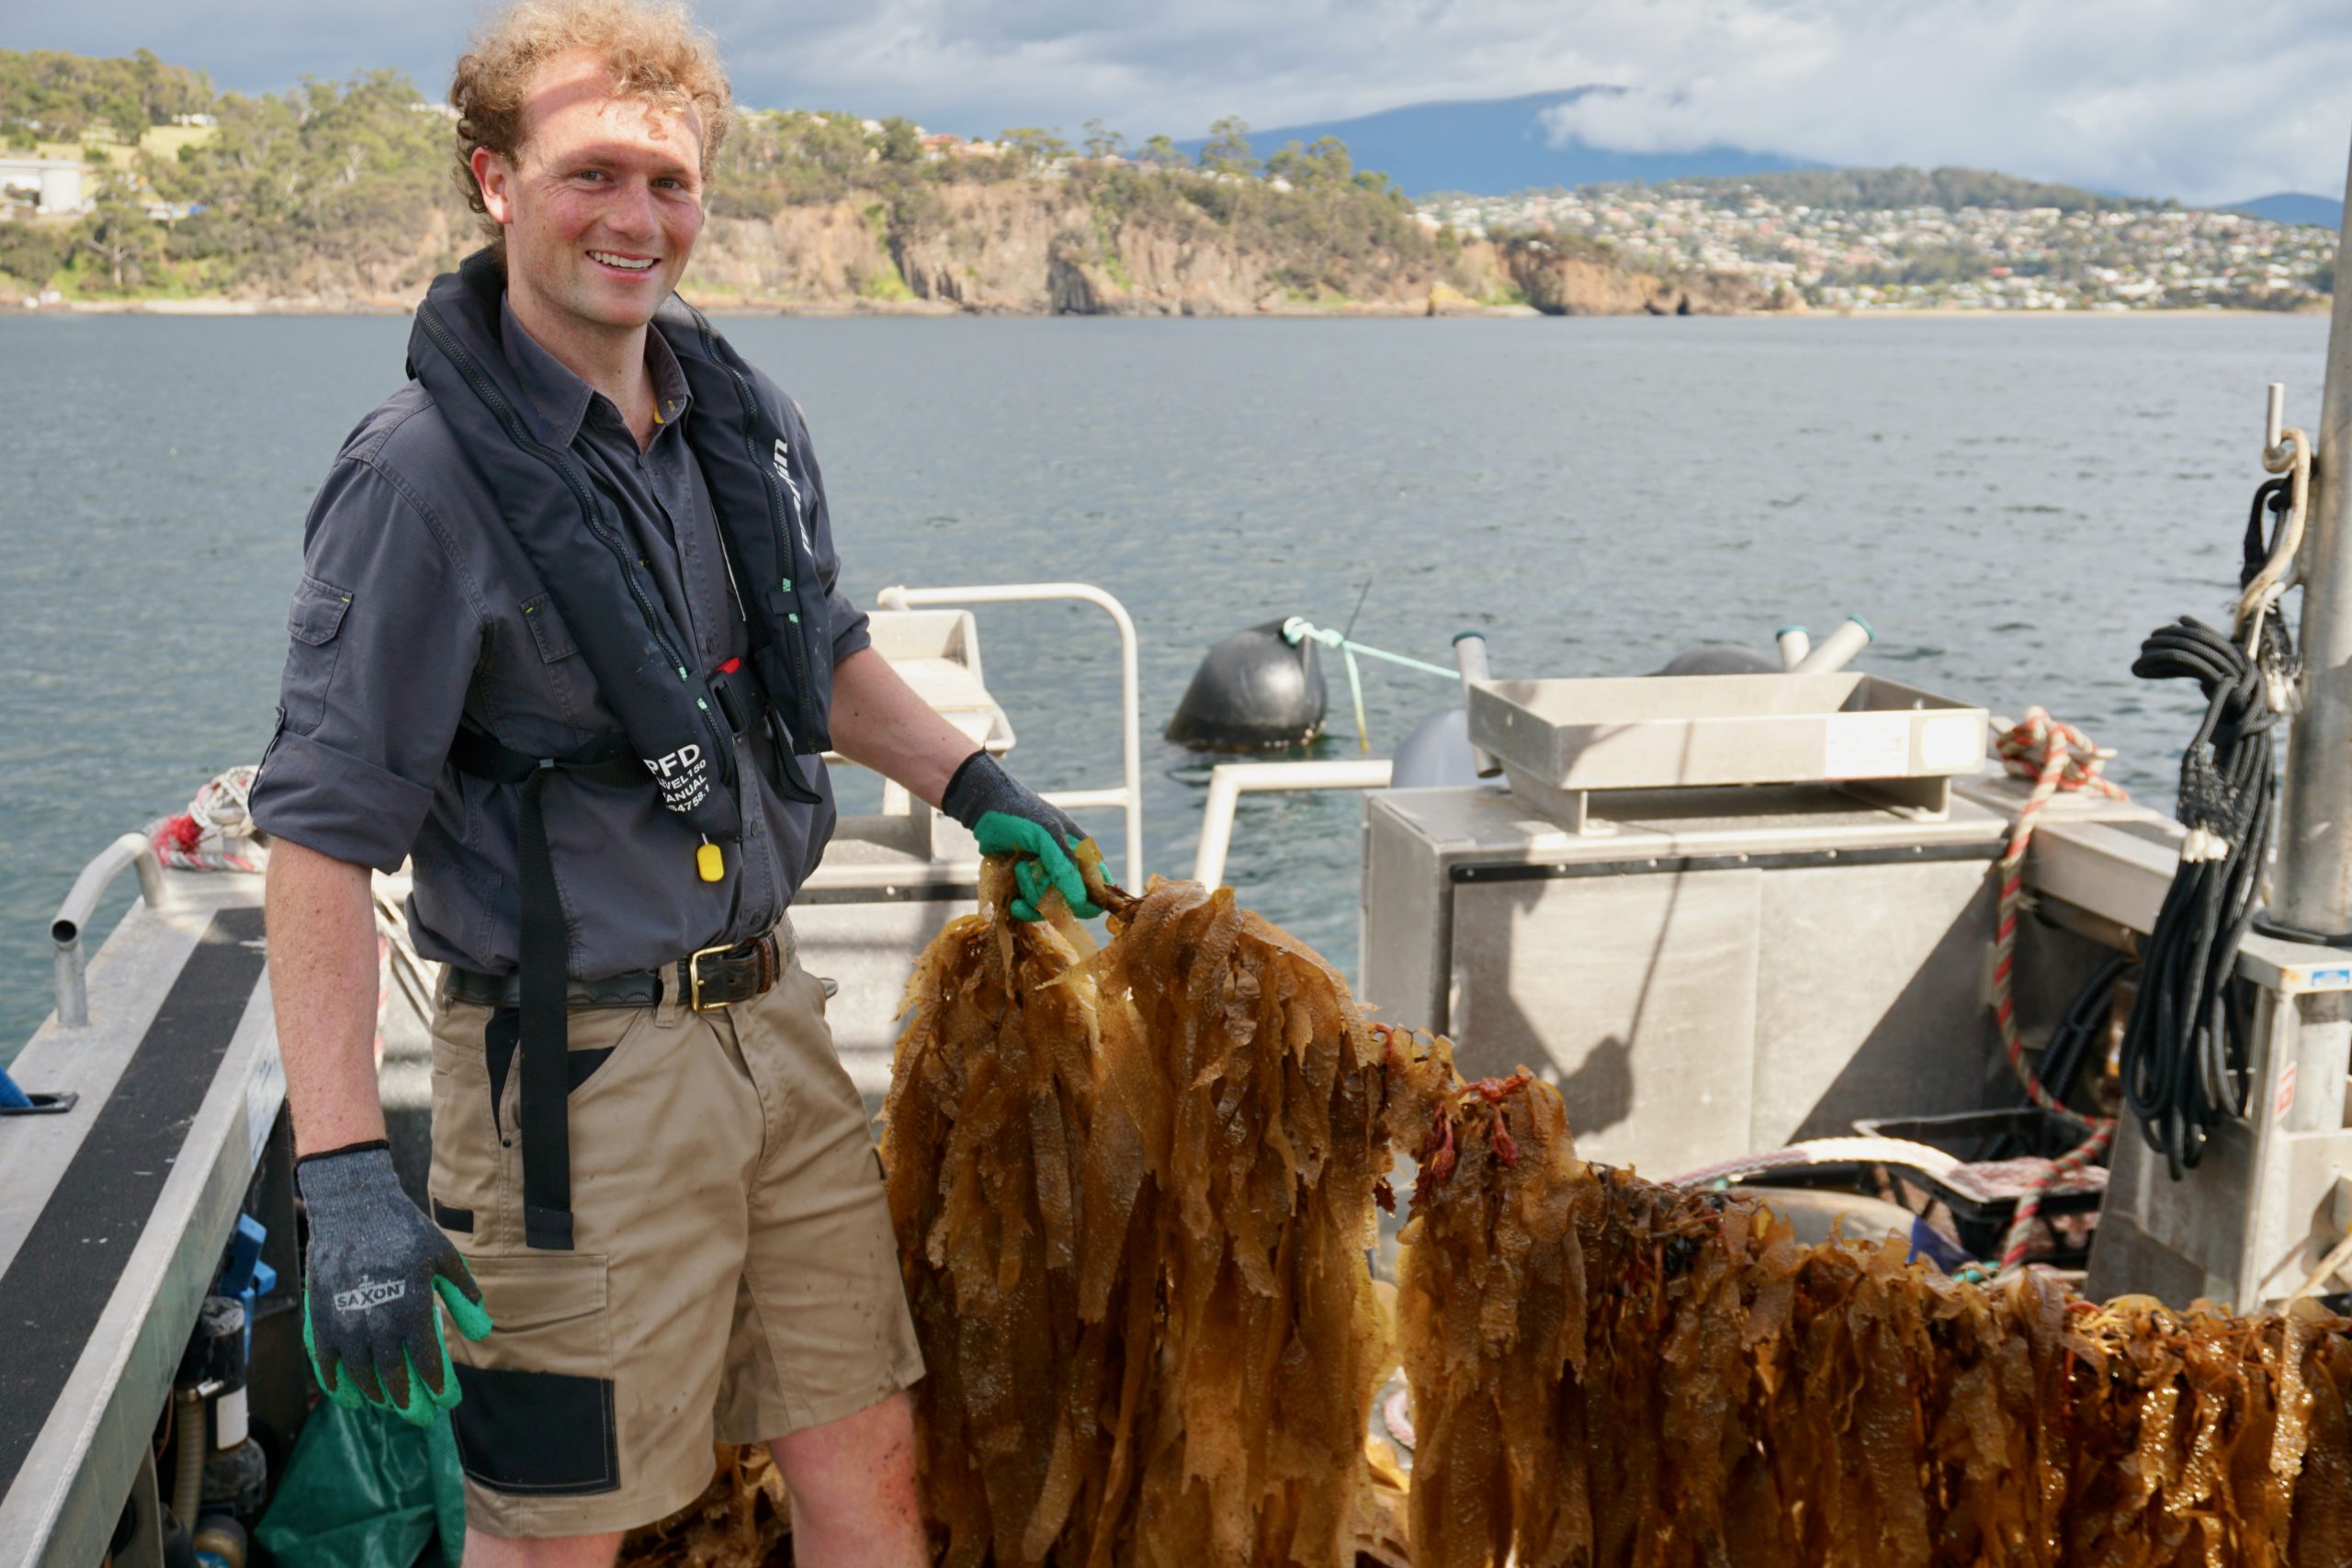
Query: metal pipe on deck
{"points": [[1228, 782], [81, 902], [2313, 889]]}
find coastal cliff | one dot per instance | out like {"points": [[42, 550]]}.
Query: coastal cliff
{"points": [[1043, 248], [1026, 248], [339, 196]]}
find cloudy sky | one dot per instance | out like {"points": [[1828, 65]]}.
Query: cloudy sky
{"points": [[2203, 99]]}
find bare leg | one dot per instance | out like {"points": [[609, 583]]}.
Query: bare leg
{"points": [[852, 1484], [484, 1551]]}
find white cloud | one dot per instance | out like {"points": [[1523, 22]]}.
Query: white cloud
{"points": [[1146, 67], [2189, 97]]}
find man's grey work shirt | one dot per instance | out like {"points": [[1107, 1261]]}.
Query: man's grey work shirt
{"points": [[417, 607]]}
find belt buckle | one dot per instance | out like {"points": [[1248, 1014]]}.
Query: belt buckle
{"points": [[693, 977]]}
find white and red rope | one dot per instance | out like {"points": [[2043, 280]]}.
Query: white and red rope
{"points": [[2059, 759]]}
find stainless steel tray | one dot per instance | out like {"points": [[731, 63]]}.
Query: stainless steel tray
{"points": [[1557, 739]]}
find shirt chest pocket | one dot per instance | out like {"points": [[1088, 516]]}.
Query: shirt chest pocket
{"points": [[314, 622], [544, 676]]}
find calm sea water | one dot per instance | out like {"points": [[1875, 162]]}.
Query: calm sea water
{"points": [[2014, 504]]}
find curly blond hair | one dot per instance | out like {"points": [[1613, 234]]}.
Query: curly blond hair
{"points": [[653, 47]]}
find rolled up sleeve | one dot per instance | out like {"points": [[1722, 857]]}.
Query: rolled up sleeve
{"points": [[848, 622], [383, 638]]}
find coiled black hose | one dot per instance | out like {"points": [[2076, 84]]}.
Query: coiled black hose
{"points": [[2185, 1050], [2078, 1036]]}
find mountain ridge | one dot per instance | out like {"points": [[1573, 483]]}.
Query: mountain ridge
{"points": [[1500, 146], [2294, 207], [1427, 147]]}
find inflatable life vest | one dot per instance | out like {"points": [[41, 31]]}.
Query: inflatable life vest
{"points": [[752, 447]]}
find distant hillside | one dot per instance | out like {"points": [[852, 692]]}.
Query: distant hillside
{"points": [[1489, 146], [335, 195], [2294, 207], [1951, 189]]}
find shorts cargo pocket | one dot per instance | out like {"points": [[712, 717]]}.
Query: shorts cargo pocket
{"points": [[536, 1416], [467, 1156], [312, 622]]}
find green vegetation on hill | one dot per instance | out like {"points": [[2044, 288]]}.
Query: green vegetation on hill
{"points": [[341, 176], [1332, 223], [46, 95], [333, 176], [1951, 189], [345, 187]]}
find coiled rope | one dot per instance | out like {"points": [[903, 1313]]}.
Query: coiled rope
{"points": [[216, 832], [2059, 759]]}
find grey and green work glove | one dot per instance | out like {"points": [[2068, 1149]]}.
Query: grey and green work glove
{"points": [[1010, 819], [374, 1267]]}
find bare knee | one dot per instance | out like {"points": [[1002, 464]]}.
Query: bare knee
{"points": [[852, 1483], [485, 1551]]}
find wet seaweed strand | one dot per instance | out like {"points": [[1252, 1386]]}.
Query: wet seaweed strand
{"points": [[1605, 1370], [1133, 1192]]}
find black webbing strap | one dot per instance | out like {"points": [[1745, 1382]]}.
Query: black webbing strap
{"points": [[543, 1117]]}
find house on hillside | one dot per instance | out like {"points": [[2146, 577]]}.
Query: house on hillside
{"points": [[54, 185]]}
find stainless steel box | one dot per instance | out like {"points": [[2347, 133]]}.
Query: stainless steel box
{"points": [[1706, 972]]}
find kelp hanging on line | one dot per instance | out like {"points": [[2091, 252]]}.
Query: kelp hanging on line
{"points": [[1133, 1188], [1606, 1370]]}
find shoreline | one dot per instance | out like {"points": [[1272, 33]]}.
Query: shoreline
{"points": [[218, 305]]}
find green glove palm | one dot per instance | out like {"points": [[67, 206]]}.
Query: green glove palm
{"points": [[374, 1267], [1045, 864], [1008, 818]]}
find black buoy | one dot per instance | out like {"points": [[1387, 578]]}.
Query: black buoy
{"points": [[1720, 659], [1253, 692]]}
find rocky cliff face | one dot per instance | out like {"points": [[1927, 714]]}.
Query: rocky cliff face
{"points": [[1561, 284], [1043, 247]]}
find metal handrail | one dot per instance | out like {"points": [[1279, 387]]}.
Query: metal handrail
{"points": [[1228, 782], [80, 903], [1129, 794]]}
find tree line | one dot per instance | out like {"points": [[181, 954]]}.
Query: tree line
{"points": [[340, 179], [49, 95]]}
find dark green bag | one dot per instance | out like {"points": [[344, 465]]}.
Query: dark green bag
{"points": [[365, 1489]]}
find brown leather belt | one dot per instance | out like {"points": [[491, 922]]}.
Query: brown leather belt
{"points": [[712, 978]]}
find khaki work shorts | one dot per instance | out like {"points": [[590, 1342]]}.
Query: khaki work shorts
{"points": [[734, 1274]]}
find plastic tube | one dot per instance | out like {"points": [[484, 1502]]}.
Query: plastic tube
{"points": [[1837, 650], [1795, 643], [1470, 658]]}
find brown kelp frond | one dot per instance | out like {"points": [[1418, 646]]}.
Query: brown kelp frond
{"points": [[1133, 1190], [743, 1519], [1605, 1370]]}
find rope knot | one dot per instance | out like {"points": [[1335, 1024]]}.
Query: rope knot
{"points": [[2056, 756]]}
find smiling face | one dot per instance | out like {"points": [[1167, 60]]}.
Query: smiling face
{"points": [[600, 205]]}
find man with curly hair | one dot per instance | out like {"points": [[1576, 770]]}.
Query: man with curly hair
{"points": [[569, 642]]}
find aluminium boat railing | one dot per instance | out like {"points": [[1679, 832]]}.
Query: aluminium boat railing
{"points": [[1228, 782], [81, 902], [1128, 795]]}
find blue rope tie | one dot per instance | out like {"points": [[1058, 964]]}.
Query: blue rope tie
{"points": [[1298, 629]]}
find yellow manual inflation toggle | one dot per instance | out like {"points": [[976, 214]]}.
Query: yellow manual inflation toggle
{"points": [[708, 863]]}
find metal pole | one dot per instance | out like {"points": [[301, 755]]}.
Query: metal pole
{"points": [[1228, 782], [1130, 794], [1470, 658], [82, 903], [2313, 884]]}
